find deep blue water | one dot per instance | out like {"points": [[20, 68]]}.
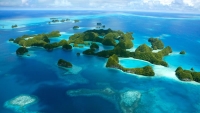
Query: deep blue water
{"points": [[39, 75]]}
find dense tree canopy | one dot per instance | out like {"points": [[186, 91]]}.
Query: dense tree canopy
{"points": [[187, 75], [156, 43], [21, 50], [113, 62], [64, 63]]}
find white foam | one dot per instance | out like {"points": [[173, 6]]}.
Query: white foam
{"points": [[175, 53], [24, 31], [131, 49], [155, 51], [63, 33], [28, 38], [165, 71]]}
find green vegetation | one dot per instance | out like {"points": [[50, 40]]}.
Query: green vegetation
{"points": [[94, 46], [109, 39], [40, 40], [89, 52], [53, 34], [62, 42], [127, 40], [36, 40], [14, 26], [143, 52], [67, 47], [64, 63], [55, 20], [11, 39], [113, 62], [48, 47], [182, 52], [187, 75], [75, 27], [143, 48], [156, 43], [76, 21], [63, 20], [21, 50]]}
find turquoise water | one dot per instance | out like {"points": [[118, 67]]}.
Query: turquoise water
{"points": [[38, 74]]}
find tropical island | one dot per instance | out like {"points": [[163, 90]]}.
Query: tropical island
{"points": [[14, 26], [75, 27], [55, 20], [119, 40], [187, 75], [21, 50], [99, 25], [143, 52], [156, 43], [76, 21], [40, 40], [64, 63], [113, 62], [182, 52]]}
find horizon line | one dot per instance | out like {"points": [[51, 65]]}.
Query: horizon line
{"points": [[156, 11]]}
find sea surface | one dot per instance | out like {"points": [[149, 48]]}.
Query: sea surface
{"points": [[38, 74]]}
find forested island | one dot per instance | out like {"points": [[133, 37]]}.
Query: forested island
{"points": [[119, 40], [113, 62], [64, 63], [14, 26], [187, 75], [182, 52], [75, 27], [21, 51]]}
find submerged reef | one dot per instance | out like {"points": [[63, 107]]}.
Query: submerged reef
{"points": [[187, 75], [126, 101], [19, 103], [129, 101]]}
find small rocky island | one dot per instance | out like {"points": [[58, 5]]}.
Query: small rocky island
{"points": [[64, 63], [156, 43], [21, 51], [75, 21], [187, 75], [76, 27], [14, 26], [182, 52]]}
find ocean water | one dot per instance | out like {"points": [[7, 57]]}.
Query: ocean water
{"points": [[39, 76]]}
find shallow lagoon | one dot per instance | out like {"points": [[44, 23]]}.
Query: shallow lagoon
{"points": [[38, 75]]}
